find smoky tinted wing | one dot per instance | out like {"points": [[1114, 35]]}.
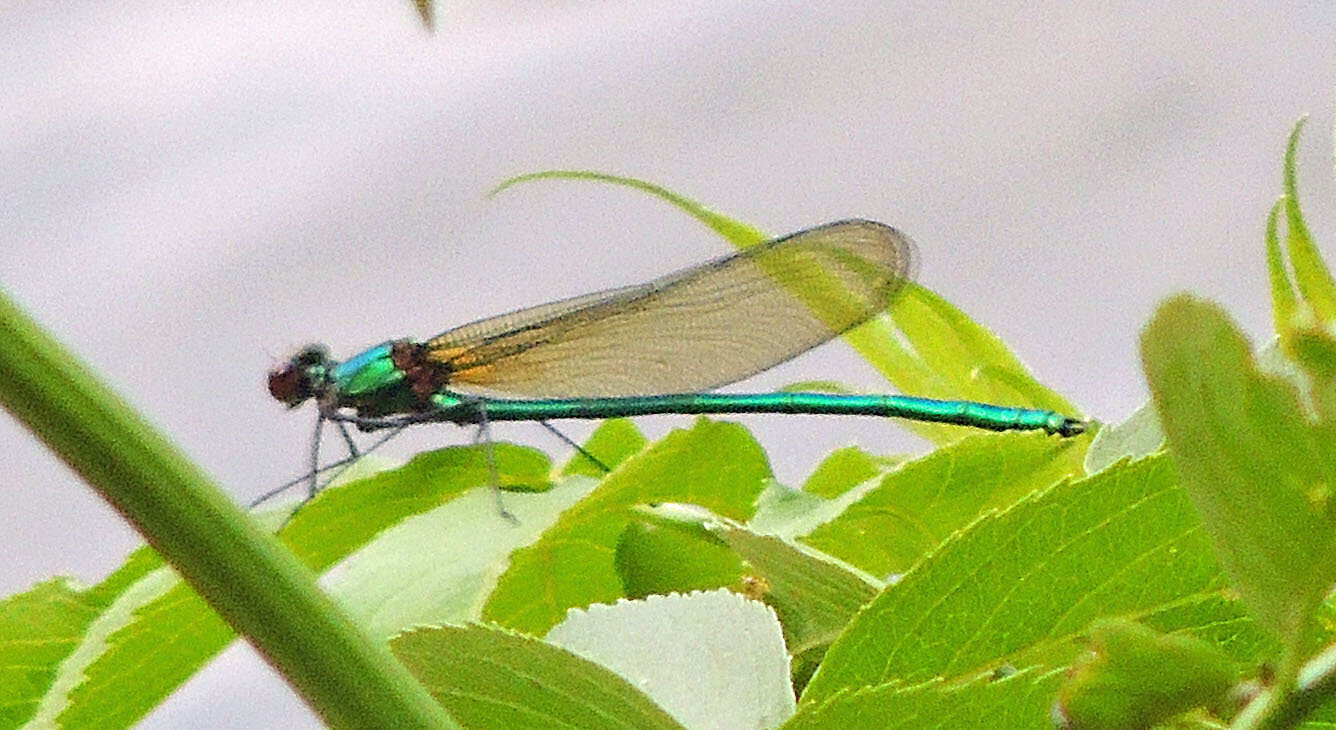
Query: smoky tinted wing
{"points": [[693, 330]]}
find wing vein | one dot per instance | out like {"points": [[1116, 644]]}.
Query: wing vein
{"points": [[689, 331]]}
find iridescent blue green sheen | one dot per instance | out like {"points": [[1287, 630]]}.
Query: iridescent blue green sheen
{"points": [[455, 409], [649, 349]]}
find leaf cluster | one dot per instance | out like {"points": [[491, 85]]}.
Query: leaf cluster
{"points": [[1171, 571]]}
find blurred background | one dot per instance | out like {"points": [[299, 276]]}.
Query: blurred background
{"points": [[190, 191]]}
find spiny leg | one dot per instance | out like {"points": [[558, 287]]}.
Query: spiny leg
{"points": [[340, 467], [354, 453], [310, 476], [484, 435], [348, 439], [313, 479], [347, 463], [569, 442], [294, 482], [315, 460]]}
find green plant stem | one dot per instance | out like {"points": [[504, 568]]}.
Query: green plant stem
{"points": [[258, 586], [1275, 708]]}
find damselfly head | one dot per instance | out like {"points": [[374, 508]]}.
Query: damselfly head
{"points": [[304, 376]]}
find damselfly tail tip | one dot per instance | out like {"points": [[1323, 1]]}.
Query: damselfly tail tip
{"points": [[1074, 427]]}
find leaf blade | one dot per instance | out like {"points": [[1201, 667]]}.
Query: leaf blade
{"points": [[1017, 586], [494, 678], [1249, 459], [717, 659], [716, 465], [1311, 272]]}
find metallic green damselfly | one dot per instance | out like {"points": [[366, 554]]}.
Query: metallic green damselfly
{"points": [[649, 349]]}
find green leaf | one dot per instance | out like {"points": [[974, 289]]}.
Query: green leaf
{"points": [[1284, 305], [1138, 436], [790, 513], [159, 631], [737, 232], [942, 355], [439, 566], [1311, 703], [1310, 270], [329, 527], [1314, 349], [657, 554], [921, 504], [1258, 472], [1135, 677], [970, 359], [38, 629], [1019, 701], [140, 579], [245, 574], [718, 466], [489, 678], [710, 659], [1017, 587], [1323, 717], [141, 650], [844, 469], [818, 386], [813, 595], [41, 630], [612, 442]]}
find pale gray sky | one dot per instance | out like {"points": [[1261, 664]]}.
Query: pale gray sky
{"points": [[191, 190]]}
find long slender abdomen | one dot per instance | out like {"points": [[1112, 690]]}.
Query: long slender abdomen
{"points": [[964, 413]]}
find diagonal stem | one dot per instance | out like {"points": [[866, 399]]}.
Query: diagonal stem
{"points": [[245, 574]]}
